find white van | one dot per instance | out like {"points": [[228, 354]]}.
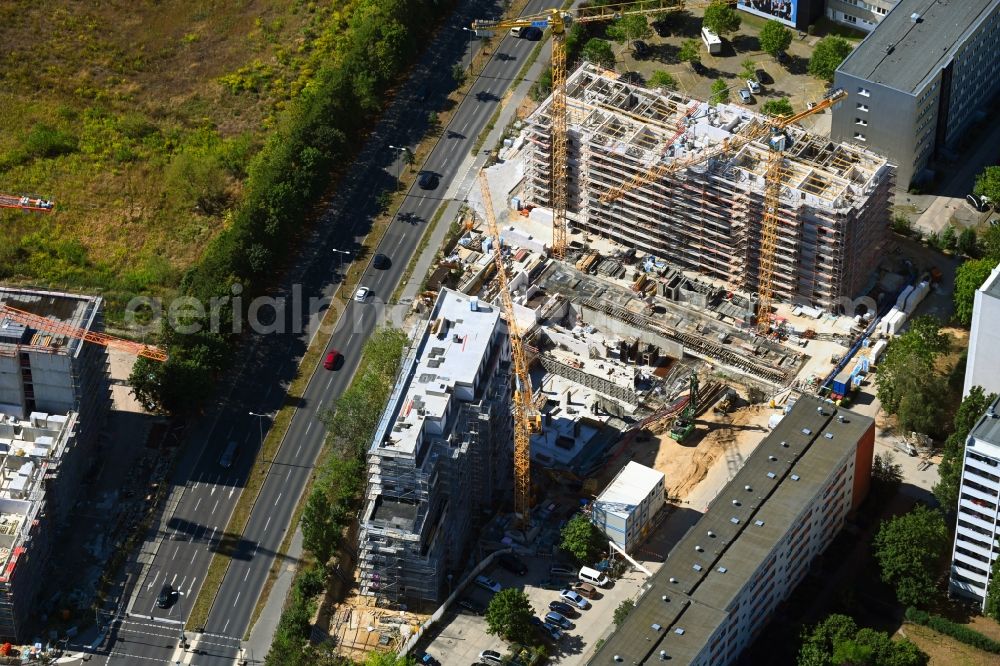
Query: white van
{"points": [[712, 41], [593, 576], [516, 31]]}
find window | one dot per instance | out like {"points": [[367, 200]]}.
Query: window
{"points": [[864, 92], [859, 136], [862, 107], [861, 121], [850, 19]]}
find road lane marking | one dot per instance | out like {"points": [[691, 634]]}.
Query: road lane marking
{"points": [[329, 383], [298, 451], [193, 556], [225, 626], [232, 489], [247, 575], [216, 506], [173, 579], [276, 499], [289, 477], [267, 523], [237, 598], [308, 427], [176, 548], [197, 504]]}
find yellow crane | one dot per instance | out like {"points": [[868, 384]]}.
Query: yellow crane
{"points": [[773, 130], [557, 21], [525, 416]]}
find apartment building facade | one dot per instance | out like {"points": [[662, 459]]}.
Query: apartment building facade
{"points": [[977, 529], [982, 366], [834, 206], [861, 14], [723, 580], [920, 81], [442, 455]]}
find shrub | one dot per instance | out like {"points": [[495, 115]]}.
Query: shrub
{"points": [[959, 632]]}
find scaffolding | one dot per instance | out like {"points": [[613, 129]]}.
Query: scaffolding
{"points": [[833, 202]]}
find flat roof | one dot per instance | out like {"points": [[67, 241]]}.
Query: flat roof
{"points": [[992, 284], [902, 53], [449, 356], [987, 430], [629, 487], [712, 564], [71, 309]]}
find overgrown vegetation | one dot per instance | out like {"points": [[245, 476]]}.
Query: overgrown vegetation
{"points": [[338, 484], [777, 107], [957, 631], [315, 132]]}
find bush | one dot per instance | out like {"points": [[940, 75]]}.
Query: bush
{"points": [[902, 224], [959, 632]]}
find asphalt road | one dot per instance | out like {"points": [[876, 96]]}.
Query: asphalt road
{"points": [[205, 492]]}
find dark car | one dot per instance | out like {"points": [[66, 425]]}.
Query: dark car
{"points": [[552, 584], [640, 48], [381, 262], [531, 33], [471, 606], [166, 596], [428, 180], [424, 658], [563, 608], [783, 58], [764, 77], [332, 359], [512, 563]]}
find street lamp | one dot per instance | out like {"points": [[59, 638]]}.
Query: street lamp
{"points": [[472, 35], [341, 253], [260, 425], [399, 165]]}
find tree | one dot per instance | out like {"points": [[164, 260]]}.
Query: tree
{"points": [[509, 615], [967, 244], [908, 361], [624, 608], [376, 658], [775, 38], [969, 277], [320, 526], [972, 408], [582, 539], [720, 92], [662, 79], [992, 608], [598, 52], [988, 184], [690, 51], [777, 107], [838, 640], [748, 69], [827, 56], [949, 238], [721, 18], [627, 28], [908, 549], [886, 472]]}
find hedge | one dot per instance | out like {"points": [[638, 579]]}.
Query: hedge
{"points": [[959, 632]]}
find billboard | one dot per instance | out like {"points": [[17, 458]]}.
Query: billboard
{"points": [[785, 11]]}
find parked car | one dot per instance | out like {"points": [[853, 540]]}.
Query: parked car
{"points": [[640, 48], [562, 570], [753, 86], [594, 577], [764, 77], [585, 590], [488, 584], [745, 96], [563, 609], [424, 658], [554, 633], [166, 596], [552, 584], [471, 606], [558, 620], [513, 564], [491, 657], [332, 359], [569, 596]]}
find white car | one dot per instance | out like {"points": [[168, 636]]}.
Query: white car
{"points": [[572, 597], [754, 86], [491, 657], [488, 584], [362, 294]]}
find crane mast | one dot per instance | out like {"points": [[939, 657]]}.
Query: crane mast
{"points": [[523, 400]]}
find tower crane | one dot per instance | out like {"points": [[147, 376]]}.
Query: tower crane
{"points": [[557, 21], [525, 415], [40, 323], [34, 204], [773, 130]]}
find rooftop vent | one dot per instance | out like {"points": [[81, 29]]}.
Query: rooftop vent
{"points": [[807, 431], [656, 627], [773, 458], [748, 489], [711, 534], [734, 520], [759, 523], [722, 569], [916, 18], [699, 549], [770, 475], [663, 655], [665, 599], [697, 567], [829, 435], [795, 477], [785, 444], [679, 631], [673, 580]]}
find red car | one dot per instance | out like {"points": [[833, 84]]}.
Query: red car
{"points": [[331, 360]]}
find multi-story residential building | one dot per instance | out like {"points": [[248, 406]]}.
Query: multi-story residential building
{"points": [[919, 81], [441, 455], [860, 14], [54, 397], [833, 209], [723, 580], [982, 367], [625, 509], [977, 529]]}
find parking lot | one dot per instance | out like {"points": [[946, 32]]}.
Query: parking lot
{"points": [[461, 635]]}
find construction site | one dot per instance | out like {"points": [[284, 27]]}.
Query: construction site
{"points": [[644, 331]]}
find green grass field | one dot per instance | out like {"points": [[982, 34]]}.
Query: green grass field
{"points": [[138, 119]]}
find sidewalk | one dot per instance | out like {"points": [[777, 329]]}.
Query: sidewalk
{"points": [[262, 632]]}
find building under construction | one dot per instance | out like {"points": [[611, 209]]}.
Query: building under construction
{"points": [[834, 204], [441, 454]]}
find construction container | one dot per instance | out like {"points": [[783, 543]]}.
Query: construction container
{"points": [[843, 381]]}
